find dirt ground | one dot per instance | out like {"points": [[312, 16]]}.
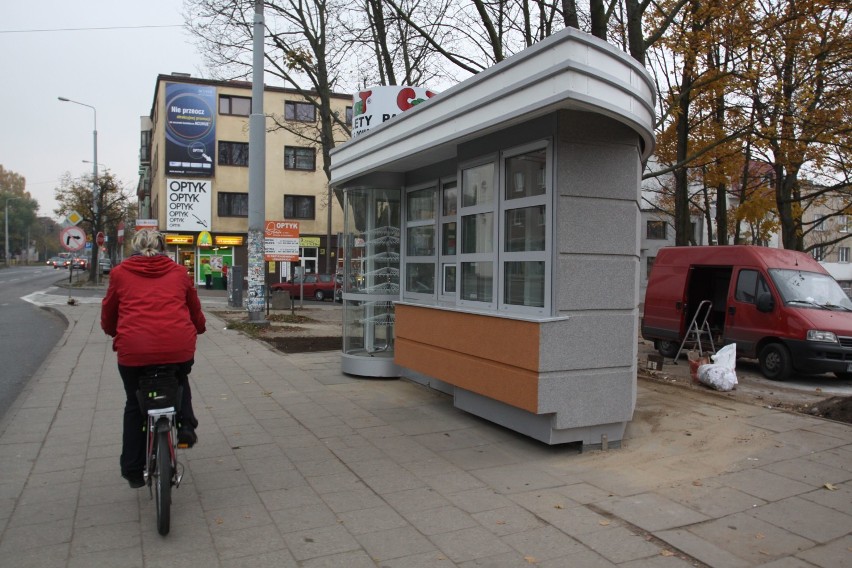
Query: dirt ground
{"points": [[320, 329], [753, 388]]}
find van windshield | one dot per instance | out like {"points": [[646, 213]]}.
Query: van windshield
{"points": [[810, 289]]}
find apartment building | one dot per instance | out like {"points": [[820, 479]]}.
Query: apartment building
{"points": [[829, 236], [193, 168]]}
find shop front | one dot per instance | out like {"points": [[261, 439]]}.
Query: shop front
{"points": [[207, 257]]}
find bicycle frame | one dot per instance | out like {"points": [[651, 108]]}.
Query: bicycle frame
{"points": [[158, 420]]}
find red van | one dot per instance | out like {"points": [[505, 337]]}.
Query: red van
{"points": [[777, 305]]}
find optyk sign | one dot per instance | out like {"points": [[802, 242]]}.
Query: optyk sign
{"points": [[188, 204]]}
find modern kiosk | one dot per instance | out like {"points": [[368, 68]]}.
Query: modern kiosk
{"points": [[492, 241]]}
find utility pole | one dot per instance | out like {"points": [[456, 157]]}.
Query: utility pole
{"points": [[257, 179]]}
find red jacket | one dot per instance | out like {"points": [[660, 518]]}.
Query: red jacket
{"points": [[152, 310]]}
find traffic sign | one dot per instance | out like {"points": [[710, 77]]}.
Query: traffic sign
{"points": [[73, 238], [100, 239], [74, 218]]}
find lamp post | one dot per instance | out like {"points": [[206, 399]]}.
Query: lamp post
{"points": [[95, 193], [6, 218]]}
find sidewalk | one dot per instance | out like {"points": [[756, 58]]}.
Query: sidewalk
{"points": [[300, 465]]}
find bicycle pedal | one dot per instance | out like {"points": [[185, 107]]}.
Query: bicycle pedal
{"points": [[183, 445]]}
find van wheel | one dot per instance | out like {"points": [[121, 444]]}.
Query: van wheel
{"points": [[667, 348], [319, 295], [775, 362]]}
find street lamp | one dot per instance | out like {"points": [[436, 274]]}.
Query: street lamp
{"points": [[8, 199], [95, 192]]}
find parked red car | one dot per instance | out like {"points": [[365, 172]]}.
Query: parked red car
{"points": [[318, 286]]}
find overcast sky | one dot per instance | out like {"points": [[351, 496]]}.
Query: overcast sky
{"points": [[113, 70]]}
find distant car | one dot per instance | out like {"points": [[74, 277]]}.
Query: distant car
{"points": [[76, 263], [55, 261], [318, 286], [105, 264]]}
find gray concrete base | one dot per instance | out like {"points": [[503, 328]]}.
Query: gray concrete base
{"points": [[362, 365], [540, 427]]}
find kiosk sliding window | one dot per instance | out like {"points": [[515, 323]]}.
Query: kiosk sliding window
{"points": [[420, 243]]}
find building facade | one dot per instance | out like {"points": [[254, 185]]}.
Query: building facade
{"points": [[194, 177]]}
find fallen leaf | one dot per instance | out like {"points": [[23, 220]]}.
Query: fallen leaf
{"points": [[604, 523], [219, 520], [501, 522], [531, 559], [558, 506], [830, 487], [667, 553], [697, 483], [760, 536]]}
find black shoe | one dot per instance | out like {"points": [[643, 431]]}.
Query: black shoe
{"points": [[134, 478], [187, 437]]}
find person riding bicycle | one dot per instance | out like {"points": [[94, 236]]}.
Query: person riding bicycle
{"points": [[152, 311]]}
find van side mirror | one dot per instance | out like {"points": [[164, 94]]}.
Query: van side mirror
{"points": [[765, 303]]}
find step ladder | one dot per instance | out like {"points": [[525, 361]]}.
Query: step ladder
{"points": [[698, 329]]}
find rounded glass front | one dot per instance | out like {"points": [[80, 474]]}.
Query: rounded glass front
{"points": [[371, 271]]}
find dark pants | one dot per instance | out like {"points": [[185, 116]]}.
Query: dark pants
{"points": [[133, 438], [208, 281]]}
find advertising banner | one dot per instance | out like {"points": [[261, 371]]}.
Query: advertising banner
{"points": [[188, 204], [190, 129], [375, 105], [281, 241]]}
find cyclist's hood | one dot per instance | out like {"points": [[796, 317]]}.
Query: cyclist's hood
{"points": [[148, 266]]}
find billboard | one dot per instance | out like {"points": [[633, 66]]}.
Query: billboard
{"points": [[190, 129], [188, 204], [375, 105]]}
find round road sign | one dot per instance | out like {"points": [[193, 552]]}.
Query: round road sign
{"points": [[100, 239], [72, 238]]}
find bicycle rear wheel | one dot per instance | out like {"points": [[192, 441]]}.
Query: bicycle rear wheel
{"points": [[163, 483]]}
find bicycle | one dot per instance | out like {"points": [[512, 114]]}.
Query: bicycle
{"points": [[159, 398]]}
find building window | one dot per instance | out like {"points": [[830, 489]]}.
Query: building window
{"points": [[656, 230], [233, 153], [239, 106], [524, 229], [300, 112], [842, 224], [232, 204], [819, 224], [818, 253], [843, 254], [649, 264], [478, 233], [349, 115], [449, 237], [299, 206], [420, 239], [296, 158]]}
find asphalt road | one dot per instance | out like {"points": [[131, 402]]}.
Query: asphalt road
{"points": [[27, 333]]}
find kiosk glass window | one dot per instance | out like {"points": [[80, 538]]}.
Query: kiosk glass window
{"points": [[524, 257], [420, 243]]}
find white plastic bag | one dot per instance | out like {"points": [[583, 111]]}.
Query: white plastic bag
{"points": [[726, 356], [721, 374], [717, 377]]}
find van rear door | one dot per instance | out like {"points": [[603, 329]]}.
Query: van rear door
{"points": [[745, 325]]}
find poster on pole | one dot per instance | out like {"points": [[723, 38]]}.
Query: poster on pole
{"points": [[281, 241], [188, 204]]}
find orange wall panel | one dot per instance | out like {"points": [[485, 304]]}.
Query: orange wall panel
{"points": [[492, 356]]}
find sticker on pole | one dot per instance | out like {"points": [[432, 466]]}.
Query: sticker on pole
{"points": [[72, 238]]}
